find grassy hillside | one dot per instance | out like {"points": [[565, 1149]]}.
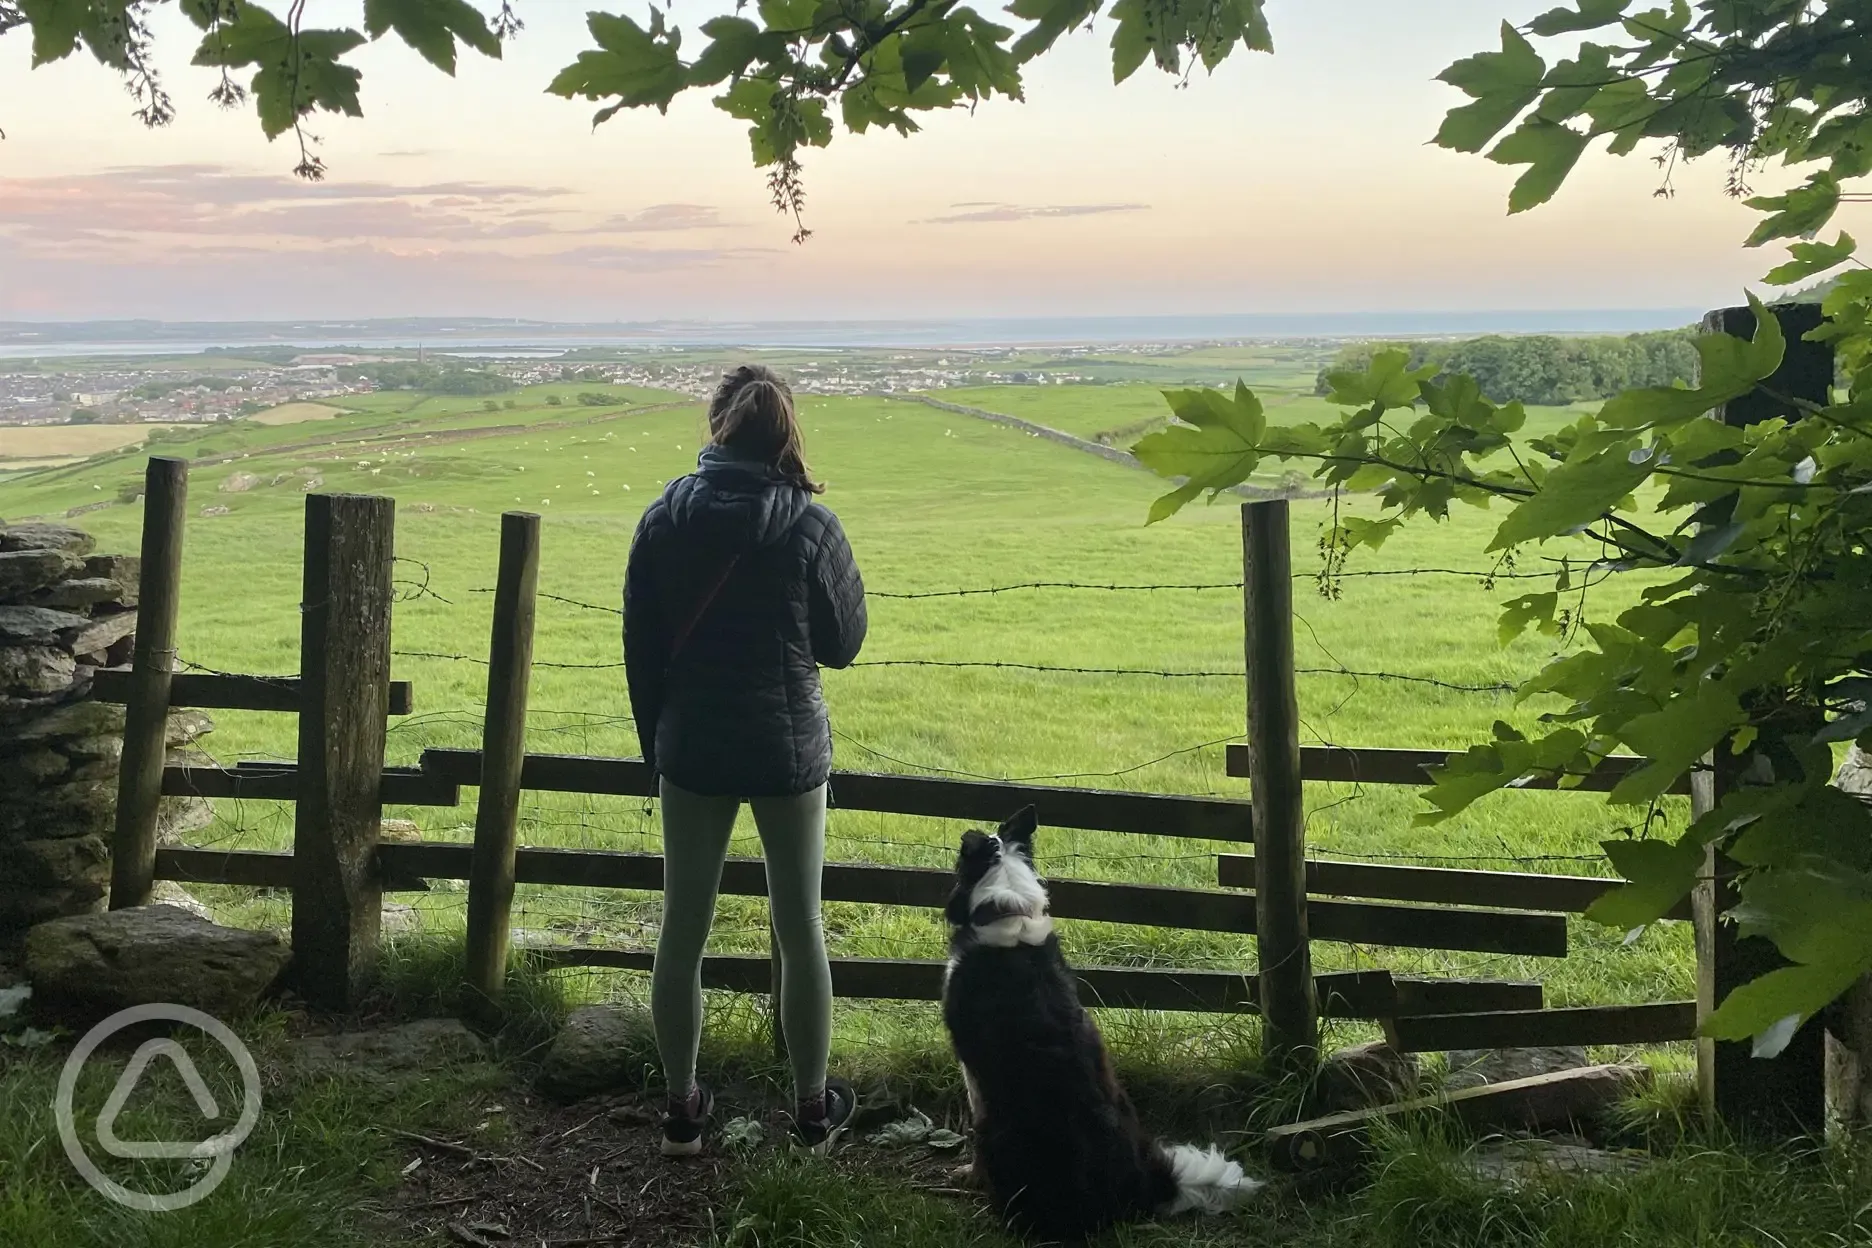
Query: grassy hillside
{"points": [[933, 501]]}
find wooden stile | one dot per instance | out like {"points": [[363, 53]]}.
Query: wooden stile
{"points": [[503, 746], [1291, 1035], [1558, 894], [344, 662], [221, 691], [1360, 765], [984, 801], [146, 712]]}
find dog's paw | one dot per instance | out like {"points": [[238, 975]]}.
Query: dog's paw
{"points": [[963, 1175]]}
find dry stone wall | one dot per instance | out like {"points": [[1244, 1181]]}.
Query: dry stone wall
{"points": [[65, 612]]}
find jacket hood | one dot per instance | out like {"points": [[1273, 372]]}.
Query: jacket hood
{"points": [[734, 502]]}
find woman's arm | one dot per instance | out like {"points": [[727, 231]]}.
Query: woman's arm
{"points": [[646, 639], [837, 600]]}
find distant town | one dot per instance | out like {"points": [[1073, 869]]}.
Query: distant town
{"points": [[228, 384]]}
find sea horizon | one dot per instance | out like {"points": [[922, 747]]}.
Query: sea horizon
{"points": [[29, 339]]}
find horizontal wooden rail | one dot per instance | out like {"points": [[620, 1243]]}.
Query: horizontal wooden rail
{"points": [[1519, 890], [403, 865], [1096, 810], [1519, 1029], [1406, 927], [1384, 766], [1350, 994], [402, 786], [215, 691]]}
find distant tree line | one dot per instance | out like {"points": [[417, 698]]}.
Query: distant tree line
{"points": [[431, 378], [1541, 369]]}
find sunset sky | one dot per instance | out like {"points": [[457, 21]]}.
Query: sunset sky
{"points": [[1299, 182]]}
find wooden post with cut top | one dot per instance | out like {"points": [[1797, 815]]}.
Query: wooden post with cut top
{"points": [[1786, 1095], [344, 670], [146, 712], [1289, 1008], [503, 750]]}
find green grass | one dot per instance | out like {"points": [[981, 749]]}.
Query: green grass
{"points": [[932, 501], [1696, 1195], [304, 1179]]}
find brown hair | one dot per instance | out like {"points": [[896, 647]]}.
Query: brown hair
{"points": [[752, 415]]}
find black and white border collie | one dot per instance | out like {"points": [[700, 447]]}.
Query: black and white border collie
{"points": [[1058, 1146]]}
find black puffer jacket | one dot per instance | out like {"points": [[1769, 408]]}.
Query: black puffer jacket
{"points": [[738, 711]]}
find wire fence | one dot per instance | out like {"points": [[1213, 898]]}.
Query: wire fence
{"points": [[630, 919]]}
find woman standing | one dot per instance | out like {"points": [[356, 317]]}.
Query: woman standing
{"points": [[740, 587]]}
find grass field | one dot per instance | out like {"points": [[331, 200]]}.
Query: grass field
{"points": [[933, 501], [40, 443], [296, 413]]}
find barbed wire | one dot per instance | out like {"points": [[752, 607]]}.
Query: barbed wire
{"points": [[1498, 687], [1476, 574]]}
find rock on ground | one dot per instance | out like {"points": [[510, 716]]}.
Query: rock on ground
{"points": [[95, 964], [399, 831], [37, 626], [1469, 1068], [36, 536], [36, 669], [390, 1055], [1366, 1075], [598, 1050], [1511, 1163], [23, 571], [170, 893]]}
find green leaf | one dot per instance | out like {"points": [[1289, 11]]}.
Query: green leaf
{"points": [[56, 27], [1051, 19], [1799, 213], [979, 65], [1810, 259], [1763, 1005], [1216, 446], [735, 43], [1659, 874], [1501, 84], [789, 16], [1528, 609], [632, 65], [1388, 382], [1574, 495], [1134, 38], [1675, 736], [1485, 768], [295, 76], [432, 27], [1590, 15], [1550, 151]]}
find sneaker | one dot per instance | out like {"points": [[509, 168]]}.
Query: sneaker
{"points": [[682, 1131], [820, 1135]]}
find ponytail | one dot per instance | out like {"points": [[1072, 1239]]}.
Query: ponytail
{"points": [[752, 414]]}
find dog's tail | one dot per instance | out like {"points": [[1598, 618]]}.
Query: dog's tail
{"points": [[1206, 1181]]}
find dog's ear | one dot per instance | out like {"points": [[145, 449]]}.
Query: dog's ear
{"points": [[1019, 828]]}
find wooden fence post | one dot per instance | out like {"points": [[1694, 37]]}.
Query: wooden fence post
{"points": [[1786, 1095], [146, 714], [503, 750], [344, 670], [1289, 1009]]}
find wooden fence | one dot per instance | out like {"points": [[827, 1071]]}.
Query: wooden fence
{"points": [[338, 859], [338, 870]]}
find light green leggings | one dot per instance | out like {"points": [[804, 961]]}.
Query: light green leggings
{"points": [[695, 844]]}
